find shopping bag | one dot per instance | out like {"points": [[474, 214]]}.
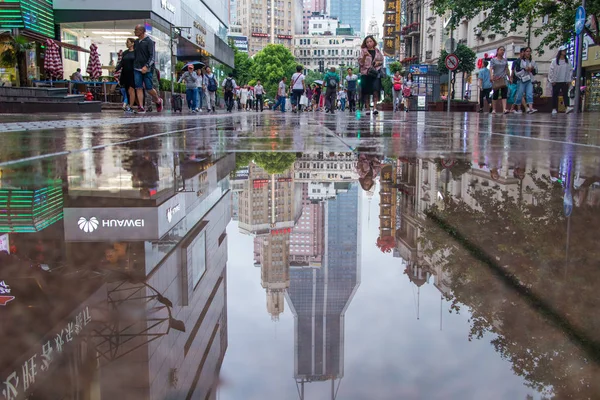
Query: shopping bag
{"points": [[512, 93], [304, 101]]}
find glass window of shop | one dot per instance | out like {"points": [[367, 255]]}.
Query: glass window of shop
{"points": [[210, 19], [110, 37]]}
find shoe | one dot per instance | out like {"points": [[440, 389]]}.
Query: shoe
{"points": [[213, 110], [128, 110], [554, 112], [199, 110], [480, 110], [159, 105], [506, 112], [368, 112], [494, 112], [517, 112], [569, 110], [375, 112], [532, 111], [141, 110]]}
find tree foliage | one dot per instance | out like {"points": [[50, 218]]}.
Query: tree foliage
{"points": [[271, 64], [505, 260], [466, 60], [275, 163], [396, 66], [508, 16], [242, 72]]}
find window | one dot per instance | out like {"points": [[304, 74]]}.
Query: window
{"points": [[72, 55], [196, 254]]}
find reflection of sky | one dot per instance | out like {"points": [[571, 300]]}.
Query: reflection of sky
{"points": [[388, 353]]}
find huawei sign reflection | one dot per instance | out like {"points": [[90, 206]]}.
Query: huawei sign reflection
{"points": [[89, 225]]}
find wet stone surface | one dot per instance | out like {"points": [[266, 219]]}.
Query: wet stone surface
{"points": [[255, 256]]}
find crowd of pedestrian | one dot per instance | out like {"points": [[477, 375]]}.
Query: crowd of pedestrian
{"points": [[500, 86]]}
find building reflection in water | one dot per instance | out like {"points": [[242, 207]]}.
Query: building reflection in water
{"points": [[133, 302]]}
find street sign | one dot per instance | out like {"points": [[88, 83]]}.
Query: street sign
{"points": [[450, 45], [452, 62], [579, 20]]}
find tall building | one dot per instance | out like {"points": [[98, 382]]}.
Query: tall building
{"points": [[269, 207], [307, 241], [319, 297], [332, 51], [269, 22], [347, 12]]}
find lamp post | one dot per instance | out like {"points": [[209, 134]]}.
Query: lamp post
{"points": [[174, 30]]}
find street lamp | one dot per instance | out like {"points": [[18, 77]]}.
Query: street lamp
{"points": [[175, 30]]}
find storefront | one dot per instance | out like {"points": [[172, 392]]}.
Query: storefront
{"points": [[591, 101], [108, 25]]}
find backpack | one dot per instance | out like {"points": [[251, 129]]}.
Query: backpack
{"points": [[212, 84], [332, 82], [228, 85]]}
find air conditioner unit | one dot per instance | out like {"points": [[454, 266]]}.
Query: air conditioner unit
{"points": [[478, 32]]}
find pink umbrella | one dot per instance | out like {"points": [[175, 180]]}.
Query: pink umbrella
{"points": [[117, 74], [94, 67], [52, 60]]}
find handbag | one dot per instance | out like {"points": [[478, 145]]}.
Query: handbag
{"points": [[303, 100], [499, 84], [397, 87]]}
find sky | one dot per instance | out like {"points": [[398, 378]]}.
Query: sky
{"points": [[370, 8]]}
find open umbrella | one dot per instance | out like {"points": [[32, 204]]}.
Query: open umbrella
{"points": [[52, 61], [94, 67], [117, 74], [196, 64], [319, 83]]}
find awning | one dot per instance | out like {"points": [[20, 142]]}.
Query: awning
{"points": [[42, 39]]}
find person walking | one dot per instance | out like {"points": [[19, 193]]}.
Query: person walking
{"points": [[317, 97], [331, 81], [499, 76], [515, 81], [191, 80], [309, 95], [407, 87], [370, 61], [126, 79], [281, 95], [250, 101], [259, 92], [143, 67], [200, 91], [560, 76], [397, 90], [342, 97], [211, 85], [243, 97], [228, 87], [351, 81], [525, 70], [485, 86], [298, 86]]}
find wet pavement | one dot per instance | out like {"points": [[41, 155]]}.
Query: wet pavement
{"points": [[254, 256]]}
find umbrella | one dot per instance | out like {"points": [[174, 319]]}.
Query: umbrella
{"points": [[117, 74], [319, 83], [196, 64], [52, 61], [94, 67]]}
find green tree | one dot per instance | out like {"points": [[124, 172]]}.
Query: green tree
{"points": [[271, 64], [242, 71], [507, 16], [466, 63], [275, 163], [13, 55], [313, 76], [396, 66]]}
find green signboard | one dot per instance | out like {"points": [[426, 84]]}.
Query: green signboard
{"points": [[30, 210], [34, 15]]}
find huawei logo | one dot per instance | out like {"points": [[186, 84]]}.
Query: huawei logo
{"points": [[88, 225]]}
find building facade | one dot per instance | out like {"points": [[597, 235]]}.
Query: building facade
{"points": [[334, 51], [347, 12], [269, 22]]}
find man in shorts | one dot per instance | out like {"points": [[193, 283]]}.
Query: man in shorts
{"points": [[143, 67]]}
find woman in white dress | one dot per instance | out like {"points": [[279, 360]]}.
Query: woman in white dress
{"points": [[244, 97]]}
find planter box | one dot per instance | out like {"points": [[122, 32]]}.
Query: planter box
{"points": [[458, 106]]}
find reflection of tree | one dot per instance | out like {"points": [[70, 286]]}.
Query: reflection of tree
{"points": [[271, 162], [456, 167], [510, 268]]}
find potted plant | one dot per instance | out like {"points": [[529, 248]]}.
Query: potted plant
{"points": [[13, 56]]}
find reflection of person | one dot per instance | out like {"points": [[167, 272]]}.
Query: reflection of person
{"points": [[144, 67], [370, 61], [368, 167]]}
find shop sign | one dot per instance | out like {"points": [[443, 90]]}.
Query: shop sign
{"points": [[4, 243], [172, 211], [167, 6], [199, 26], [260, 34], [200, 40], [241, 42], [16, 385], [288, 37], [5, 296], [390, 7], [389, 46]]}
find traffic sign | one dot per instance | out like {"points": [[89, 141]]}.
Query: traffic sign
{"points": [[579, 20], [452, 62]]}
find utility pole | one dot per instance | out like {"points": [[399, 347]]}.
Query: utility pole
{"points": [[172, 30], [579, 60], [452, 48]]}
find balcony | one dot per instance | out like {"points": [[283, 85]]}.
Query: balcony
{"points": [[413, 29]]}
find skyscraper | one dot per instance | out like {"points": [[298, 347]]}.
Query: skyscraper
{"points": [[319, 297], [347, 12]]}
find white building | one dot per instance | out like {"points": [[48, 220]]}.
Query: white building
{"points": [[322, 25], [335, 51], [319, 167]]}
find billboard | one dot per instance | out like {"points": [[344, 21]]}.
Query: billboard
{"points": [[241, 42]]}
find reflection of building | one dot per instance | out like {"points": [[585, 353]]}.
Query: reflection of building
{"points": [[319, 297], [269, 207], [307, 238], [387, 209], [326, 167]]}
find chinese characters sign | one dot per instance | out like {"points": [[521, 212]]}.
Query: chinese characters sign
{"points": [[16, 384], [390, 27], [5, 295]]}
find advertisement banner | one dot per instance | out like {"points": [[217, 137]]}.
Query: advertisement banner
{"points": [[241, 42]]}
